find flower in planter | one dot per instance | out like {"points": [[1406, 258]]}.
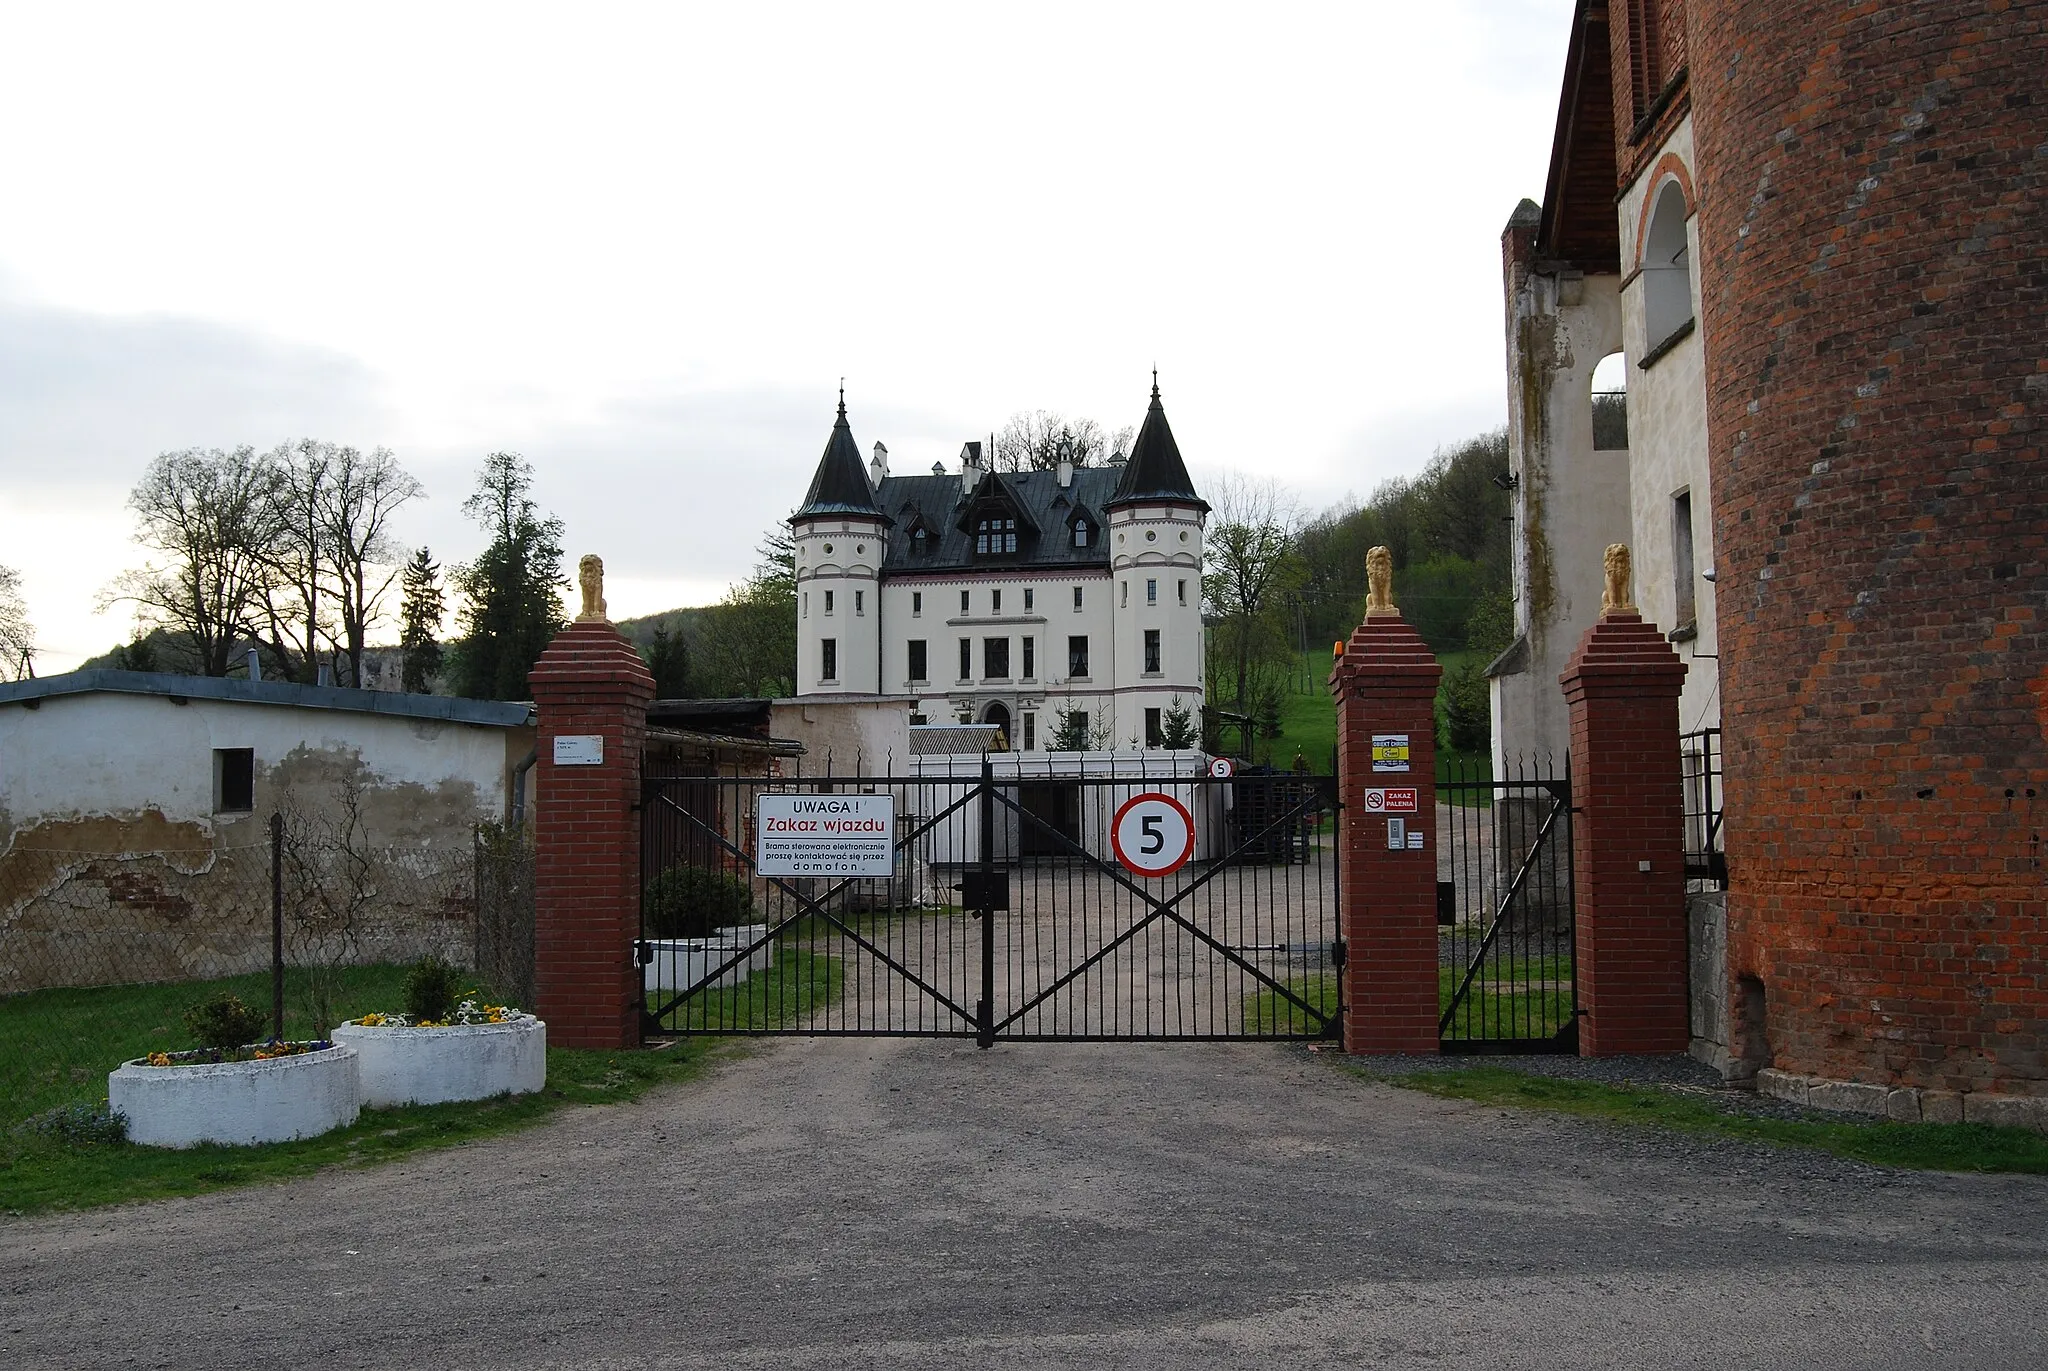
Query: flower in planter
{"points": [[431, 1001]]}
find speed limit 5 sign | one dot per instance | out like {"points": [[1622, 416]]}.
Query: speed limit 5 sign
{"points": [[1153, 834]]}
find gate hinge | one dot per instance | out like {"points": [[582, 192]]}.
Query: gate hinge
{"points": [[1337, 953]]}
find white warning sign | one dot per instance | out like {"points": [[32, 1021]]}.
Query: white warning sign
{"points": [[825, 835]]}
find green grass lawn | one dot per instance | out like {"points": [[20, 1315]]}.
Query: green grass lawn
{"points": [[798, 985], [1270, 1013], [1915, 1146], [1308, 723], [1512, 997], [59, 1045]]}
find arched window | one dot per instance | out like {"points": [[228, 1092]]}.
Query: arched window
{"points": [[1081, 532], [1610, 404], [1667, 271], [920, 542]]}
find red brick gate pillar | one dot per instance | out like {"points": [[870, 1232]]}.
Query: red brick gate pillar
{"points": [[1628, 830], [590, 690], [1385, 681]]}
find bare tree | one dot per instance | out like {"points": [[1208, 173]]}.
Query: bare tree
{"points": [[17, 637], [363, 491], [1252, 566], [296, 623], [211, 516], [1040, 439], [331, 879]]}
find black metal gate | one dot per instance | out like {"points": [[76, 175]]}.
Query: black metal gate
{"points": [[1505, 915], [1006, 915]]}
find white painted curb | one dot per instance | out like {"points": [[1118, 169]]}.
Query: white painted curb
{"points": [[460, 1062], [679, 963], [237, 1102]]}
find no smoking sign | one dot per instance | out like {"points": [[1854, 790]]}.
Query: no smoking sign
{"points": [[1153, 834]]}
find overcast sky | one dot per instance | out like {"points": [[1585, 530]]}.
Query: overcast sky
{"points": [[641, 245]]}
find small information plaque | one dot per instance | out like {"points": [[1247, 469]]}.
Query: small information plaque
{"points": [[1389, 752], [579, 749]]}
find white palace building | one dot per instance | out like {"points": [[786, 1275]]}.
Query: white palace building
{"points": [[1010, 598]]}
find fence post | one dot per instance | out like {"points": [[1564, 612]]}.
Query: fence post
{"points": [[1628, 830], [277, 925], [590, 694], [1385, 682]]}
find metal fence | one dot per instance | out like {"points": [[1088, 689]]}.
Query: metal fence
{"points": [[1505, 911], [102, 951], [1007, 914]]}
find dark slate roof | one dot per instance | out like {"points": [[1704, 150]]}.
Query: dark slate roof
{"points": [[1155, 470], [841, 485], [492, 713], [937, 502]]}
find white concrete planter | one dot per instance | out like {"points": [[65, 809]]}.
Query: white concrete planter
{"points": [[472, 1061], [237, 1102], [679, 963]]}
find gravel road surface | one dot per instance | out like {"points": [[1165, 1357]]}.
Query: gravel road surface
{"points": [[892, 1203]]}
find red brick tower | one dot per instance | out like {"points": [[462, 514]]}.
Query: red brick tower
{"points": [[1873, 233]]}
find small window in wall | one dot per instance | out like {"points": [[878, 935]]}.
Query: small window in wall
{"points": [[1183, 588], [828, 602], [860, 602], [1077, 597], [1125, 598], [1667, 271], [234, 780], [995, 602], [1152, 652], [828, 659], [917, 659], [807, 604], [1151, 591], [1027, 599], [1154, 735], [916, 603], [966, 659], [1030, 730], [1682, 574], [1610, 404], [1030, 658], [963, 602]]}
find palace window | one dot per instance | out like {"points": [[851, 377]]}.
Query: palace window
{"points": [[1030, 731], [995, 658], [828, 602], [993, 536], [860, 602], [1151, 591], [916, 603], [1077, 655], [963, 602], [1030, 658], [1027, 599], [1081, 532], [920, 542], [1183, 588], [995, 602], [1681, 560], [967, 659], [1077, 597], [1154, 734], [917, 659], [1667, 272], [1152, 651], [828, 659]]}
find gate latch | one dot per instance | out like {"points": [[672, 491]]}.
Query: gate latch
{"points": [[643, 951], [984, 889]]}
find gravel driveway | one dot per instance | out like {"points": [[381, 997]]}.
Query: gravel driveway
{"points": [[834, 1202]]}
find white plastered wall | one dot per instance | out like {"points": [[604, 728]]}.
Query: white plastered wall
{"points": [[1570, 501], [1667, 424]]}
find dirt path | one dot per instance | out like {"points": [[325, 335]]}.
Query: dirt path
{"points": [[917, 1204]]}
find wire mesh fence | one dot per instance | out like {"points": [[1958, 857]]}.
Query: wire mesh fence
{"points": [[101, 952]]}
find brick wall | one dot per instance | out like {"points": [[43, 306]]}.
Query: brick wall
{"points": [[589, 682], [1386, 683], [1874, 257]]}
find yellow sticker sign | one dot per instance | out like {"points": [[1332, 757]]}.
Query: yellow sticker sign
{"points": [[1389, 752]]}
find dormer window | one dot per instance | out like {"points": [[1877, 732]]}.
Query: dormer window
{"points": [[1081, 532], [994, 536], [920, 543]]}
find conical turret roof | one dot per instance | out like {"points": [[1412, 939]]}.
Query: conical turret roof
{"points": [[1155, 470], [841, 484]]}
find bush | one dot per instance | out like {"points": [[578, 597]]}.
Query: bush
{"points": [[431, 990], [82, 1125], [224, 1023], [689, 902], [1466, 710]]}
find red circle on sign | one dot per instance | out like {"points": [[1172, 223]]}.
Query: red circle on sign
{"points": [[1169, 856], [1222, 768]]}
